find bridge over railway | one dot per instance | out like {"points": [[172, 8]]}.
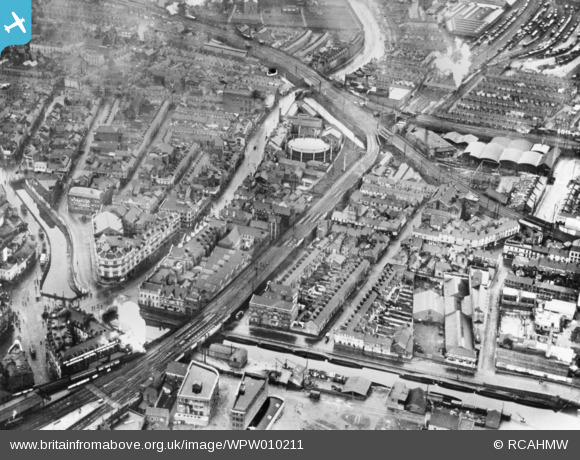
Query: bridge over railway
{"points": [[120, 387]]}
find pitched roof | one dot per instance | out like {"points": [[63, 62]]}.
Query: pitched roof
{"points": [[443, 418], [428, 300], [358, 385]]}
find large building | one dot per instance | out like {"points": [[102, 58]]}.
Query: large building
{"points": [[276, 307], [459, 343], [85, 200], [309, 149], [15, 371], [519, 154], [236, 357], [430, 142], [545, 290], [16, 257], [75, 340], [250, 397], [428, 306], [198, 395], [467, 19], [116, 256], [240, 101]]}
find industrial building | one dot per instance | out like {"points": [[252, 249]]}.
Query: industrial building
{"points": [[518, 154], [276, 307], [466, 19], [309, 149], [198, 395], [251, 395]]}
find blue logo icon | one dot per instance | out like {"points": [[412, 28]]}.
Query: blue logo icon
{"points": [[15, 22]]}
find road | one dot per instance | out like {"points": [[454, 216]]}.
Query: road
{"points": [[30, 329], [389, 257], [152, 134], [490, 326], [81, 232], [254, 152], [105, 108], [122, 385]]}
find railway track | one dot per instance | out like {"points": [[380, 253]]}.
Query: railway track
{"points": [[122, 385]]}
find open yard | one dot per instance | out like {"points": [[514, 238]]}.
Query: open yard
{"points": [[337, 413], [428, 338]]}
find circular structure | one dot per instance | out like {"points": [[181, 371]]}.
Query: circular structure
{"points": [[309, 148]]}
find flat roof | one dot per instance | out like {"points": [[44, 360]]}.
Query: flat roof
{"points": [[560, 306], [308, 145], [206, 375], [85, 192], [272, 302], [176, 368], [252, 387], [398, 93]]}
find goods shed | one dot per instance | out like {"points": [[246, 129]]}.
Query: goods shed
{"points": [[358, 386]]}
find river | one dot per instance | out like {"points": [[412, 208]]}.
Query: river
{"points": [[536, 419], [56, 282], [374, 47]]}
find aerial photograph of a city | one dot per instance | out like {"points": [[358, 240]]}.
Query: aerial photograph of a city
{"points": [[290, 215]]}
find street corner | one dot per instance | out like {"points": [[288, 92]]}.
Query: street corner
{"points": [[16, 22]]}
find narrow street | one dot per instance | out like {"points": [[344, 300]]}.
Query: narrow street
{"points": [[150, 137], [79, 230], [377, 270], [31, 330], [489, 343], [105, 109], [254, 151]]}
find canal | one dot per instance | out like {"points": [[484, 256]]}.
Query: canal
{"points": [[30, 328], [56, 282], [535, 419]]}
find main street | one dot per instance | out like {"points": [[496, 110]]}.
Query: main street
{"points": [[122, 385]]}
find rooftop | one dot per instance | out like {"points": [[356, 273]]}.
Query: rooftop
{"points": [[85, 192], [201, 374], [272, 302], [247, 392]]}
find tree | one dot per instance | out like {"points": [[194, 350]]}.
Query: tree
{"points": [[508, 343], [575, 336]]}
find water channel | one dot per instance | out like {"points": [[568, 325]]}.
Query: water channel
{"points": [[535, 419]]}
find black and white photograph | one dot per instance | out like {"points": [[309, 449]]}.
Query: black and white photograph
{"points": [[289, 215]]}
